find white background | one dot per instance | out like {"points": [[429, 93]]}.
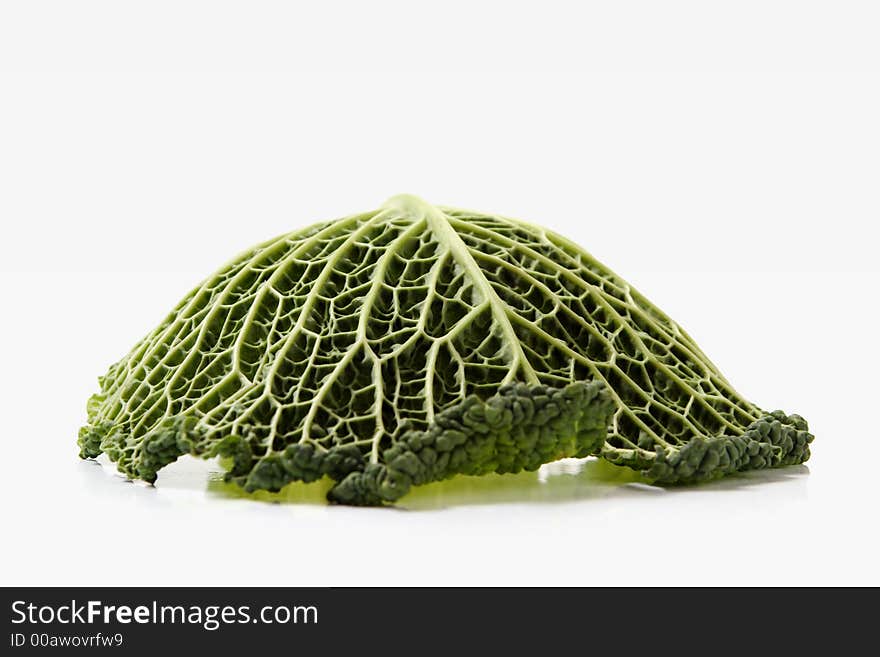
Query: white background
{"points": [[724, 157]]}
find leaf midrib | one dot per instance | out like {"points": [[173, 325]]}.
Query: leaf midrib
{"points": [[448, 238]]}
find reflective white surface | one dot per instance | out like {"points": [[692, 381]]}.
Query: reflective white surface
{"points": [[575, 522], [741, 198]]}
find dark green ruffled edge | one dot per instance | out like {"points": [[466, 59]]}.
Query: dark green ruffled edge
{"points": [[772, 441], [519, 428]]}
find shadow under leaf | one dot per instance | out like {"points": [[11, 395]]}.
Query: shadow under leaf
{"points": [[563, 481], [566, 480]]}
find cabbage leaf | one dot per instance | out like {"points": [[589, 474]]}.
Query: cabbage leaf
{"points": [[414, 343]]}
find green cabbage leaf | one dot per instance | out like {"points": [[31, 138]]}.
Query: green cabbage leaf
{"points": [[414, 343]]}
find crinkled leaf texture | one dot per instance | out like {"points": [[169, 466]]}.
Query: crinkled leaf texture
{"points": [[413, 343]]}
